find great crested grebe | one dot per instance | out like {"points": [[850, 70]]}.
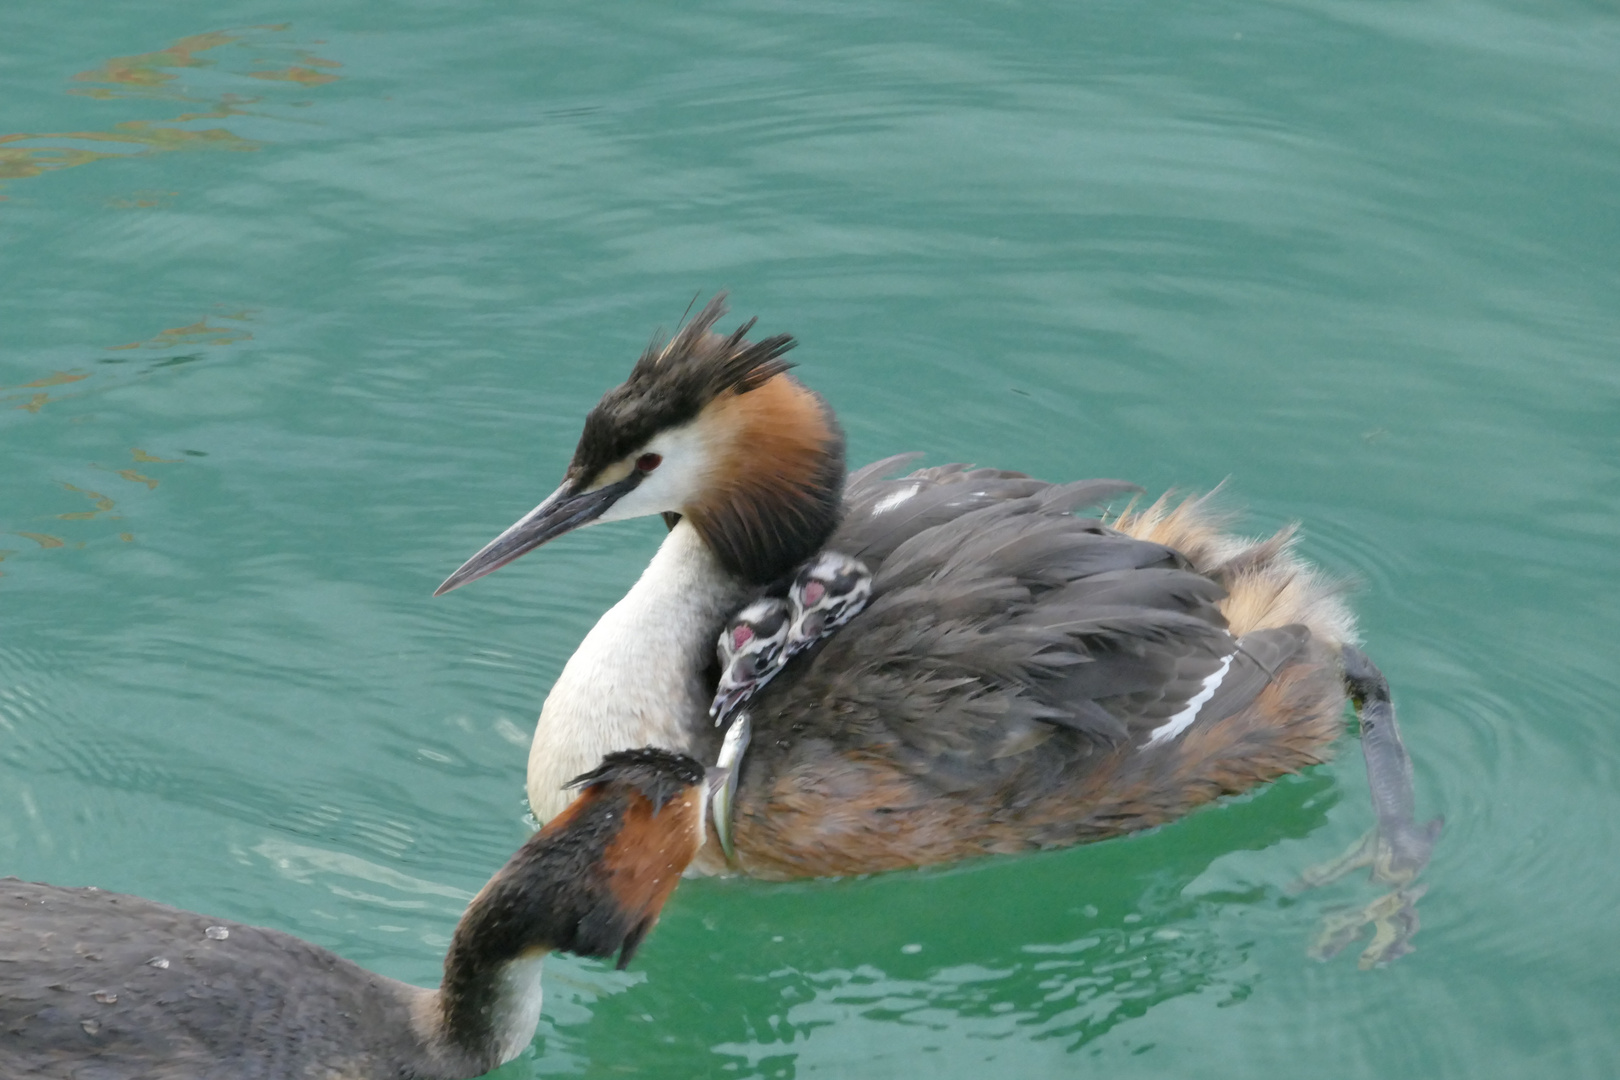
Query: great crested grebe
{"points": [[98, 985], [1021, 677]]}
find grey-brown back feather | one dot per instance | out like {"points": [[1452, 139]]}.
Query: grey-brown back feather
{"points": [[102, 986], [1260, 656], [1007, 641]]}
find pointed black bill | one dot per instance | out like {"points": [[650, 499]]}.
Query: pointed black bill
{"points": [[563, 511]]}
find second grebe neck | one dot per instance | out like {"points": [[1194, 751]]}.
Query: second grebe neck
{"points": [[638, 677], [489, 1002], [121, 987]]}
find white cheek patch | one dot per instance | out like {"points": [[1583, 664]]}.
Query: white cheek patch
{"points": [[677, 482], [1184, 719], [889, 502]]}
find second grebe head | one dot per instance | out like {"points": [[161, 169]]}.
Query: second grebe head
{"points": [[644, 810], [593, 881], [709, 427]]}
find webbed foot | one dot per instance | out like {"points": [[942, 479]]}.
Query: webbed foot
{"points": [[1397, 848], [1394, 919], [1357, 855], [1396, 851]]}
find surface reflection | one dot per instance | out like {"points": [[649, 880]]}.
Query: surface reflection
{"points": [[36, 394], [200, 332], [304, 73], [102, 504], [981, 951], [44, 540], [22, 162], [150, 70], [156, 76], [136, 478]]}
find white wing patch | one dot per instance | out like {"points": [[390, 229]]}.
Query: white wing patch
{"points": [[889, 502], [1183, 719]]}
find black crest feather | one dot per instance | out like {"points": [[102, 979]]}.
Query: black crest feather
{"points": [[658, 774], [672, 383]]}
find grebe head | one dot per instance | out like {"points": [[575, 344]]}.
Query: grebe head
{"points": [[751, 650], [709, 427], [592, 882], [595, 878], [831, 590]]}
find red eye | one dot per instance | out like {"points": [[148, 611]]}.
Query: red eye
{"points": [[649, 462]]}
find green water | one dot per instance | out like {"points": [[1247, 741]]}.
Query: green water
{"points": [[294, 317]]}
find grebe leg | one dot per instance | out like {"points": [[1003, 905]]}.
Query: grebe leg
{"points": [[1397, 848]]}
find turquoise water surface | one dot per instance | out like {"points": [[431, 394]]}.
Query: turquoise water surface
{"points": [[302, 303]]}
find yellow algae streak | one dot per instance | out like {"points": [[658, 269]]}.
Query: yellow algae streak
{"points": [[37, 402], [52, 380], [141, 455], [197, 333], [148, 70], [153, 75], [158, 140], [43, 540], [103, 504], [136, 478], [21, 162], [303, 73], [227, 107]]}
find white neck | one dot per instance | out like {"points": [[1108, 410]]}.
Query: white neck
{"points": [[637, 678], [506, 1027], [516, 1012]]}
